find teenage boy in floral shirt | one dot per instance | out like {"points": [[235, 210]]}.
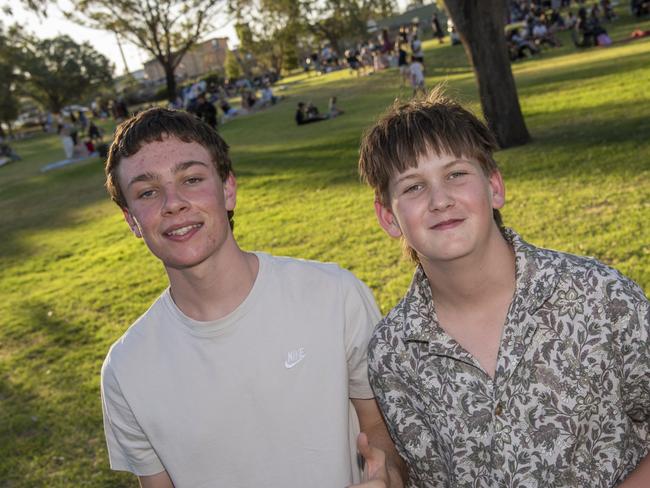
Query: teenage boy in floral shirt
{"points": [[504, 364]]}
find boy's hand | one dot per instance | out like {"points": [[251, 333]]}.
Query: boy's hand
{"points": [[375, 474]]}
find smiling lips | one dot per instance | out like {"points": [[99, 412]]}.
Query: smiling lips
{"points": [[447, 224], [182, 231]]}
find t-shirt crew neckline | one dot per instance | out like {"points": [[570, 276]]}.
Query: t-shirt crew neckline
{"points": [[217, 327]]}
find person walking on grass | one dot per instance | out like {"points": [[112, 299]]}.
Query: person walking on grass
{"points": [[505, 364], [416, 73], [249, 370]]}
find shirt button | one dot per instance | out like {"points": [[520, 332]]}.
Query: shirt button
{"points": [[498, 409]]}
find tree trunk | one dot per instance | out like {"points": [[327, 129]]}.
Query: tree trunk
{"points": [[480, 25], [171, 81]]}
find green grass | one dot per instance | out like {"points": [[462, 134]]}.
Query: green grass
{"points": [[72, 278]]}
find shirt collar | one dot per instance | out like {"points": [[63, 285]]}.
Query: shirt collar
{"points": [[535, 276]]}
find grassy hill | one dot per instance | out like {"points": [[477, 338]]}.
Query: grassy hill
{"points": [[72, 278]]}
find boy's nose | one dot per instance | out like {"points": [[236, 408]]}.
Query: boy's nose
{"points": [[440, 199], [174, 202]]}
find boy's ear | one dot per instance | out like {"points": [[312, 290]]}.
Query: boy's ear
{"points": [[387, 220], [133, 224], [230, 192], [498, 189]]}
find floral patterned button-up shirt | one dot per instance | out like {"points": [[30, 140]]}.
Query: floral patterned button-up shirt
{"points": [[569, 404]]}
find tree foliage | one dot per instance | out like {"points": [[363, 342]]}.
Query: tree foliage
{"points": [[166, 29], [282, 28], [338, 21], [39, 7], [59, 71], [273, 36], [10, 79], [233, 68]]}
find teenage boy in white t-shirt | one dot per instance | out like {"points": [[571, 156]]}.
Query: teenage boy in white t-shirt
{"points": [[505, 364], [249, 370]]}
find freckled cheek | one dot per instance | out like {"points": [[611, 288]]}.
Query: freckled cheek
{"points": [[146, 217]]}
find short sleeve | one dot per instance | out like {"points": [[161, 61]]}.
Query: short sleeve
{"points": [[128, 446], [395, 396], [361, 316]]}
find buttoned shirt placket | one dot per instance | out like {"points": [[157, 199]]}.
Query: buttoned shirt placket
{"points": [[518, 333]]}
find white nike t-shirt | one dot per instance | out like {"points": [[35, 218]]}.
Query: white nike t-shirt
{"points": [[259, 398]]}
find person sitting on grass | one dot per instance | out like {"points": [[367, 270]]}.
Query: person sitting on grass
{"points": [[7, 154], [206, 111], [94, 132], [228, 111], [268, 98], [505, 364], [588, 29], [352, 60], [542, 35], [333, 109], [306, 114], [519, 47]]}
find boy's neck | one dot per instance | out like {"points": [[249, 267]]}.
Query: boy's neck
{"points": [[474, 279], [472, 295], [216, 287]]}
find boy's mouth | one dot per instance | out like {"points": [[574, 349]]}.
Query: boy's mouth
{"points": [[181, 231], [447, 224]]}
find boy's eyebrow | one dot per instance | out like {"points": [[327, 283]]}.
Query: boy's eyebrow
{"points": [[182, 166], [187, 164], [142, 177]]}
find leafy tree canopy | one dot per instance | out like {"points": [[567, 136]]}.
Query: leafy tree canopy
{"points": [[9, 78], [281, 28], [59, 71], [166, 29]]}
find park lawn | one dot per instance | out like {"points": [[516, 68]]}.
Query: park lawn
{"points": [[70, 284]]}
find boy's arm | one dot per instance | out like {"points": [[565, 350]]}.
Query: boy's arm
{"points": [[384, 467], [160, 480], [640, 477]]}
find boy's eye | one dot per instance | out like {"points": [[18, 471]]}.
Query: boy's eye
{"points": [[413, 188], [146, 194], [193, 180], [457, 174]]}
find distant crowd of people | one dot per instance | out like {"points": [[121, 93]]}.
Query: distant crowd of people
{"points": [[382, 52], [79, 135], [205, 100], [531, 27], [534, 25]]}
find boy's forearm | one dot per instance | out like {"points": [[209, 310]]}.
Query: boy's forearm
{"points": [[640, 477], [395, 466], [372, 423]]}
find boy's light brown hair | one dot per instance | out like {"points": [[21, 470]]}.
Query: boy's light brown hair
{"points": [[411, 130], [153, 125]]}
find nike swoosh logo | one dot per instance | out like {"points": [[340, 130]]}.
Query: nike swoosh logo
{"points": [[294, 357]]}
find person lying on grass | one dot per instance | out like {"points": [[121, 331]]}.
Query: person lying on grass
{"points": [[307, 114], [249, 370], [505, 364]]}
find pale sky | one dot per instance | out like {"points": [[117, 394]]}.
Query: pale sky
{"points": [[56, 24]]}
